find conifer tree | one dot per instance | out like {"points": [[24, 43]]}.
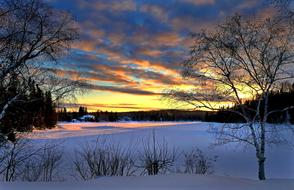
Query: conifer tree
{"points": [[50, 116]]}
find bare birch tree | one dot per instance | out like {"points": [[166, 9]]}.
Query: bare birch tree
{"points": [[242, 59]]}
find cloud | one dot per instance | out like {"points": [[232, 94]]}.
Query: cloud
{"points": [[201, 2], [167, 39], [267, 12], [124, 89], [155, 11], [150, 52], [119, 75], [136, 47], [247, 4], [114, 5], [85, 45], [108, 106], [93, 76]]}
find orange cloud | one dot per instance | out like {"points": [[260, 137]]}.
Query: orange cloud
{"points": [[85, 45], [169, 39], [116, 38], [150, 52], [101, 106], [145, 64], [201, 2]]}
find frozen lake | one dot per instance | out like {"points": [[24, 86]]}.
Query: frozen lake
{"points": [[232, 160]]}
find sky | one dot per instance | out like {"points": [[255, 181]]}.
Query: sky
{"points": [[131, 51]]}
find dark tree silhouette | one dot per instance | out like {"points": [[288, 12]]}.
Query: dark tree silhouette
{"points": [[31, 34], [82, 111]]}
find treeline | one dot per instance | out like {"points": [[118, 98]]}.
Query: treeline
{"points": [[165, 115], [64, 115], [160, 115], [34, 108], [280, 102]]}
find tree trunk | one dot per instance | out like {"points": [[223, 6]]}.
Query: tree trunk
{"points": [[261, 153], [261, 171], [261, 156]]}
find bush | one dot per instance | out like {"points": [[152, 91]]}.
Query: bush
{"points": [[44, 166], [21, 160], [156, 157], [103, 159], [198, 163]]}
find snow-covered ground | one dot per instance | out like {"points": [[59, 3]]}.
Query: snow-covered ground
{"points": [[236, 165], [233, 160], [166, 182]]}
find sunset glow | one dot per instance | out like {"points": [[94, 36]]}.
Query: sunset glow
{"points": [[130, 52]]}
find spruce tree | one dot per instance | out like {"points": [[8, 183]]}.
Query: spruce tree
{"points": [[37, 103], [50, 116]]}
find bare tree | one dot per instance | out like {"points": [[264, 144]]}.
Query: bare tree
{"points": [[32, 34], [156, 157], [286, 7], [242, 59]]}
